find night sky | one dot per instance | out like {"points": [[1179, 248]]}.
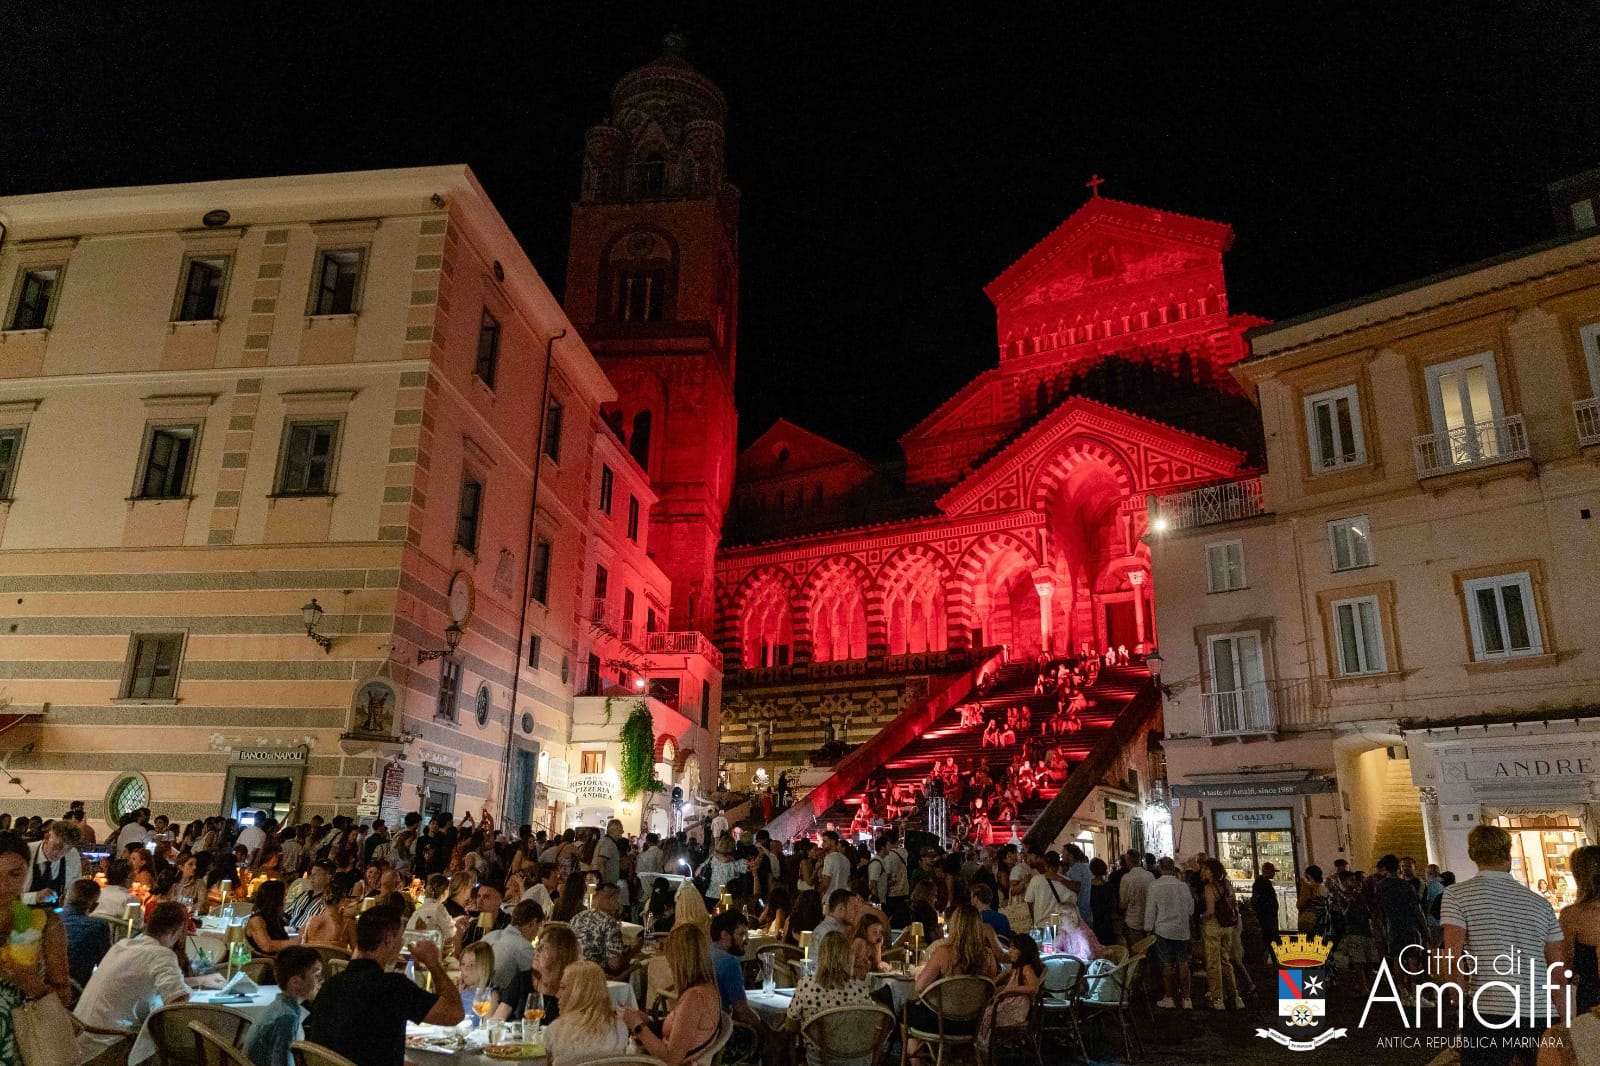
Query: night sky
{"points": [[891, 162]]}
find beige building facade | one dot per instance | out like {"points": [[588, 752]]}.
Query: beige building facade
{"points": [[221, 403], [1381, 642]]}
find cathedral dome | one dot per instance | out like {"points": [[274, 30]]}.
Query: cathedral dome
{"points": [[670, 80]]}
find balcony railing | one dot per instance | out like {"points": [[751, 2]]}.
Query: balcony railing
{"points": [[683, 642], [1240, 712], [1207, 505], [1282, 705], [1498, 440], [1587, 415]]}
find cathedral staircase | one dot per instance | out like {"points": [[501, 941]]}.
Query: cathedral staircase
{"points": [[1108, 726]]}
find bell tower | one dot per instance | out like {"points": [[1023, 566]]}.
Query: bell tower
{"points": [[653, 286]]}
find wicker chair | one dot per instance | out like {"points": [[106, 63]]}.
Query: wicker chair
{"points": [[960, 1000], [330, 953], [169, 1028], [856, 1034], [724, 1034], [627, 1060], [308, 1054], [1112, 993], [1020, 1040], [115, 1044], [260, 971], [1063, 986], [215, 1051], [1145, 993]]}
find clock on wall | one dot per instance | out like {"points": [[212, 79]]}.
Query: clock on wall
{"points": [[461, 595]]}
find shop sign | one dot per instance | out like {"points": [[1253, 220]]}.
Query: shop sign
{"points": [[1235, 821], [599, 787], [434, 770], [270, 755], [1539, 765], [1235, 789], [559, 773]]}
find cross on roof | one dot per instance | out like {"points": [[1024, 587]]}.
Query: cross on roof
{"points": [[1093, 184]]}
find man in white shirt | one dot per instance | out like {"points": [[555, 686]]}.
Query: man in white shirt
{"points": [[1168, 905], [251, 837], [607, 856], [1023, 870], [1494, 917], [719, 826], [651, 860], [139, 975], [835, 867], [513, 947], [53, 864], [547, 883], [114, 896], [1047, 893], [1136, 882]]}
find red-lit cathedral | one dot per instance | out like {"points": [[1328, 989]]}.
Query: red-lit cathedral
{"points": [[848, 593]]}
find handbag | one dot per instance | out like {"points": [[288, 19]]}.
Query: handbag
{"points": [[44, 1032]]}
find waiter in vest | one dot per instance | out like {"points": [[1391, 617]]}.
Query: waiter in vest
{"points": [[53, 864]]}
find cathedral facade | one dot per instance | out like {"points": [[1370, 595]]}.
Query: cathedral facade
{"points": [[841, 589]]}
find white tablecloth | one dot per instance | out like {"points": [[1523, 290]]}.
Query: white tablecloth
{"points": [[622, 994], [145, 1046], [771, 1007], [899, 987]]}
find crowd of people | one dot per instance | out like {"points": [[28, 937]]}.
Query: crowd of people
{"points": [[988, 799], [528, 914]]}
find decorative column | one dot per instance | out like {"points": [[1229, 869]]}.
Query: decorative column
{"points": [[1431, 829], [1045, 586], [1136, 579]]}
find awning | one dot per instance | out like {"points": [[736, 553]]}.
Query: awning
{"points": [[556, 794]]}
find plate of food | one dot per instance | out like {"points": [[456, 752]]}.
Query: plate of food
{"points": [[514, 1052]]}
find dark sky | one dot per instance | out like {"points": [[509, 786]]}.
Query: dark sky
{"points": [[893, 158]]}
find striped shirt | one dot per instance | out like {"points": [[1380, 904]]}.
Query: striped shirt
{"points": [[1503, 919]]}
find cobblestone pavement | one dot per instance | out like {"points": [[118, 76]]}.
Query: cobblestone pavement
{"points": [[1207, 1036]]}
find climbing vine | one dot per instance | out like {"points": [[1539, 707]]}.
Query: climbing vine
{"points": [[638, 752]]}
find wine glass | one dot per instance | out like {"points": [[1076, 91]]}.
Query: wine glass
{"points": [[532, 1011], [482, 1002]]}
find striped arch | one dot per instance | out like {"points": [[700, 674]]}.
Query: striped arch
{"points": [[970, 572], [768, 612], [913, 586], [843, 612], [1073, 453]]}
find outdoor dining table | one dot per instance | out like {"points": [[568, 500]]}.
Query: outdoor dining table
{"points": [[254, 1004], [772, 1007]]}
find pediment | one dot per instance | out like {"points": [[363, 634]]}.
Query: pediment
{"points": [[1108, 243], [786, 447], [1143, 455]]}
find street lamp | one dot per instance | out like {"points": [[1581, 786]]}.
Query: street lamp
{"points": [[1154, 661], [452, 638], [311, 614]]}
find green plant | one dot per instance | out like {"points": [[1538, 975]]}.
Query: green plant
{"points": [[638, 752]]}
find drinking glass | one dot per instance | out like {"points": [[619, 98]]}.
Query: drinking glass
{"points": [[768, 981], [482, 1002], [532, 1011]]}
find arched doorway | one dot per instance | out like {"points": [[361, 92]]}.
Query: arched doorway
{"points": [[1091, 530]]}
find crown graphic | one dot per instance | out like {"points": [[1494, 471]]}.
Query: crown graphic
{"points": [[1301, 952]]}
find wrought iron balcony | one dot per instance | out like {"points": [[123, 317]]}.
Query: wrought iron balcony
{"points": [[1281, 705], [683, 642], [1207, 505], [1240, 712], [1587, 415], [1498, 440]]}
